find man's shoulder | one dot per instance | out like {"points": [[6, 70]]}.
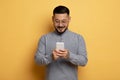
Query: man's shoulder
{"points": [[47, 34], [75, 34]]}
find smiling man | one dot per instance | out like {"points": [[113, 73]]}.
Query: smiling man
{"points": [[62, 50], [61, 21]]}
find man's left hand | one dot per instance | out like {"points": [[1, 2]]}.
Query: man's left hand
{"points": [[63, 53]]}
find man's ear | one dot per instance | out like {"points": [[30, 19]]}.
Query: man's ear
{"points": [[52, 18], [69, 18]]}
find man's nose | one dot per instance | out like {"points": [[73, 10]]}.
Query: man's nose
{"points": [[60, 24]]}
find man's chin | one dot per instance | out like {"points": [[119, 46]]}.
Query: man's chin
{"points": [[60, 31]]}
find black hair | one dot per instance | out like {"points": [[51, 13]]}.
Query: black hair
{"points": [[61, 9]]}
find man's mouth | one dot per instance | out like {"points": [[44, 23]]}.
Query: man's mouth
{"points": [[60, 27]]}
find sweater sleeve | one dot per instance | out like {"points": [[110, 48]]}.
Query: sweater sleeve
{"points": [[80, 58], [40, 56]]}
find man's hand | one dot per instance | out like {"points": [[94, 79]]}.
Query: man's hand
{"points": [[55, 55], [60, 53], [63, 53]]}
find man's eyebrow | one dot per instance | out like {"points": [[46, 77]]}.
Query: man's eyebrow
{"points": [[56, 19], [62, 19]]}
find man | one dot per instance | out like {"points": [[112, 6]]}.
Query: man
{"points": [[62, 63]]}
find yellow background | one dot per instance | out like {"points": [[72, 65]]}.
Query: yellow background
{"points": [[23, 22]]}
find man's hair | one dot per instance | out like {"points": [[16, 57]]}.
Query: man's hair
{"points": [[60, 10]]}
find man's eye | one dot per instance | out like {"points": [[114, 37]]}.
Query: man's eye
{"points": [[63, 21], [57, 21]]}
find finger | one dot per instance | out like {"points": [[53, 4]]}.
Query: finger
{"points": [[62, 50], [59, 54], [55, 50]]}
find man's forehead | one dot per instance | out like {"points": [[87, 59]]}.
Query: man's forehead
{"points": [[61, 16]]}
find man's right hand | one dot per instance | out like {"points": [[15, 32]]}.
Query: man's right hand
{"points": [[55, 55]]}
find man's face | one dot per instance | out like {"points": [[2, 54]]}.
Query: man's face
{"points": [[61, 22]]}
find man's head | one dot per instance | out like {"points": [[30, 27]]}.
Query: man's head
{"points": [[61, 18]]}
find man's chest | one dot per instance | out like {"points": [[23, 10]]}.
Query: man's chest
{"points": [[70, 43]]}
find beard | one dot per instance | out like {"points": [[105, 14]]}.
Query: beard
{"points": [[56, 29]]}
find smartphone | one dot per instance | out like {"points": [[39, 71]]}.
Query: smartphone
{"points": [[59, 45]]}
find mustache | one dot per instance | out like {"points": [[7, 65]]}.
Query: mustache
{"points": [[60, 27]]}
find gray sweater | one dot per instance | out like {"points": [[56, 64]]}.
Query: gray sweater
{"points": [[62, 69]]}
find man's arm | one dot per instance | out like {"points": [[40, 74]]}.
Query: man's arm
{"points": [[81, 57], [40, 56]]}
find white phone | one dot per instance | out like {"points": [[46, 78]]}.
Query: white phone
{"points": [[59, 45]]}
